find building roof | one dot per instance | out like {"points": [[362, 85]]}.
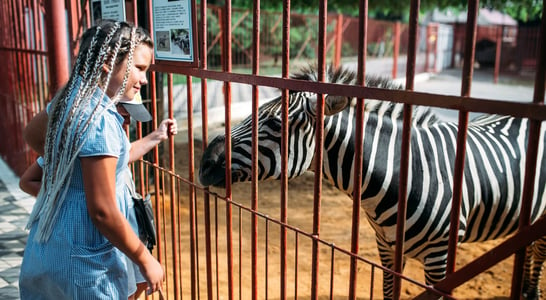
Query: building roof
{"points": [[485, 17]]}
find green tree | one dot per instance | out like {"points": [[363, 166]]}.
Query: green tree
{"points": [[523, 10]]}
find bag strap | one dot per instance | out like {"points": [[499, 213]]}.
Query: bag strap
{"points": [[131, 184]]}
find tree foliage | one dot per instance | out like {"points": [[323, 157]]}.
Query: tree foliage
{"points": [[522, 10]]}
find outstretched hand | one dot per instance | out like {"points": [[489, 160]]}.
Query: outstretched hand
{"points": [[167, 128]]}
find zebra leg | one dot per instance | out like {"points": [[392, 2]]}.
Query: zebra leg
{"points": [[435, 268], [535, 257], [387, 260], [527, 271]]}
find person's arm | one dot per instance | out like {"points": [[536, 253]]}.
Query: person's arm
{"points": [[31, 180], [35, 132], [99, 178], [142, 146]]}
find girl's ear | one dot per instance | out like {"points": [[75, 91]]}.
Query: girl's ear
{"points": [[105, 68]]}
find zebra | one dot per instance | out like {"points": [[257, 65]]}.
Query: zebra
{"points": [[492, 184]]}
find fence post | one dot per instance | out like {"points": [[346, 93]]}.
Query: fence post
{"points": [[57, 50], [396, 49], [339, 38]]}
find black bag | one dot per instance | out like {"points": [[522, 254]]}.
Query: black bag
{"points": [[145, 219]]}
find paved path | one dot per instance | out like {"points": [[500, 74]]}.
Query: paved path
{"points": [[15, 207]]}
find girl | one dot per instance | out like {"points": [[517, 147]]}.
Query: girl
{"points": [[79, 231]]}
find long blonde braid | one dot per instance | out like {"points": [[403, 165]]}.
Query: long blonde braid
{"points": [[69, 118]]}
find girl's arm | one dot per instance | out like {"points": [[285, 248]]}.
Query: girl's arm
{"points": [[145, 144], [31, 180], [99, 178], [35, 132]]}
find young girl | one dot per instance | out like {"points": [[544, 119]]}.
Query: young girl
{"points": [[31, 180], [79, 233]]}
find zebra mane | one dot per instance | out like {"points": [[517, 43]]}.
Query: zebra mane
{"points": [[422, 116]]}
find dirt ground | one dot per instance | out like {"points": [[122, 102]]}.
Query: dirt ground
{"points": [[335, 229]]}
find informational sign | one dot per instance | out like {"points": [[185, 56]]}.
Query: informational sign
{"points": [[108, 9], [175, 31]]}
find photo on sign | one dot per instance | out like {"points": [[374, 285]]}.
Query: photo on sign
{"points": [[181, 39], [163, 42], [175, 31]]}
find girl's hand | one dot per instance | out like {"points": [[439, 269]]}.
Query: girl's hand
{"points": [[167, 128], [154, 274]]}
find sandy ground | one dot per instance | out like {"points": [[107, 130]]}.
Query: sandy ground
{"points": [[335, 229]]}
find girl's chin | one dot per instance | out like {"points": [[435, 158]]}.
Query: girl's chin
{"points": [[125, 98]]}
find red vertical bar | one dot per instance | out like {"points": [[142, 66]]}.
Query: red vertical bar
{"points": [[20, 71], [135, 12], [56, 44], [284, 142], [73, 11], [204, 122], [226, 54], [470, 43], [396, 49], [359, 137], [319, 141], [531, 156], [38, 60], [339, 40], [174, 199], [161, 249], [43, 59], [25, 70], [191, 177], [498, 54], [405, 151], [254, 175]]}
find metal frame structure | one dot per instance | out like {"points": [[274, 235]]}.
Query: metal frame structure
{"points": [[182, 205]]}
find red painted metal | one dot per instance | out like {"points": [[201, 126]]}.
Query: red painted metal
{"points": [[525, 236], [226, 46], [174, 205], [40, 60], [29, 60], [458, 173], [191, 193], [338, 40], [474, 104], [319, 140], [255, 169], [58, 57], [405, 151], [396, 48], [204, 134], [498, 54], [359, 137], [531, 158], [284, 144]]}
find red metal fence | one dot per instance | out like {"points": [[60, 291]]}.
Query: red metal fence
{"points": [[242, 242]]}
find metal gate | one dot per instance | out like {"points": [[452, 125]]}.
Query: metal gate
{"points": [[204, 235]]}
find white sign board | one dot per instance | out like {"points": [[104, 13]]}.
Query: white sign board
{"points": [[108, 9], [175, 30]]}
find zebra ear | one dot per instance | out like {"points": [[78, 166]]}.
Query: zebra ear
{"points": [[335, 104]]}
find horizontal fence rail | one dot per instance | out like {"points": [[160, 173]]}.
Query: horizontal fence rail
{"points": [[283, 239]]}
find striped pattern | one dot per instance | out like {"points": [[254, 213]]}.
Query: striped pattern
{"points": [[493, 174]]}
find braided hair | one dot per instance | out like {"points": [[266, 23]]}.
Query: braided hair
{"points": [[73, 110]]}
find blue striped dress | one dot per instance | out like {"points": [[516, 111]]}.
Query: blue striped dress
{"points": [[77, 261]]}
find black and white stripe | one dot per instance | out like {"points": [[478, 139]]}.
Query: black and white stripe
{"points": [[492, 183]]}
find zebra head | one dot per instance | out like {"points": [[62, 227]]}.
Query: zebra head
{"points": [[301, 136]]}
